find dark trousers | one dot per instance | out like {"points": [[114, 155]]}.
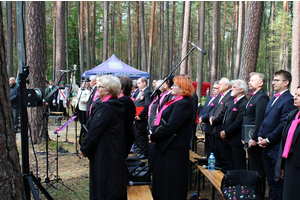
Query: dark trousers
{"points": [[269, 161], [222, 147], [16, 113], [236, 158], [141, 135], [61, 107], [209, 144], [256, 164], [82, 119]]}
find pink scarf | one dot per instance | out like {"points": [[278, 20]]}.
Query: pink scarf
{"points": [[107, 98], [289, 139], [150, 106], [165, 107]]}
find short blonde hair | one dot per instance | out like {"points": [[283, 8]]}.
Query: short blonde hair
{"points": [[111, 83]]}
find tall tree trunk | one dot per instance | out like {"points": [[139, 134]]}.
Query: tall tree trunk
{"points": [[143, 42], [60, 39], [93, 36], [36, 56], [120, 28], [9, 39], [251, 39], [232, 42], [87, 35], [185, 36], [161, 38], [272, 48], [167, 52], [216, 18], [67, 42], [209, 69], [81, 45], [112, 25], [287, 66], [280, 66], [201, 16], [296, 47], [129, 35], [137, 32], [239, 41], [10, 175], [172, 45], [54, 38], [105, 31], [151, 35]]}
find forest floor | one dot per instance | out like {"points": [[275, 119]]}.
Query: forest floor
{"points": [[74, 171]]}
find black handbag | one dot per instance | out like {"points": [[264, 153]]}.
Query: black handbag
{"points": [[241, 184], [138, 172]]}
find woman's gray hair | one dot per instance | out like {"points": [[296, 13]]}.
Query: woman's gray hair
{"points": [[241, 84], [158, 83], [111, 83]]}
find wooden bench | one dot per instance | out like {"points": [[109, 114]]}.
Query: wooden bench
{"points": [[139, 192], [215, 177]]}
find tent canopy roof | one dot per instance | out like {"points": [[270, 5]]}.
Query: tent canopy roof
{"points": [[113, 66]]}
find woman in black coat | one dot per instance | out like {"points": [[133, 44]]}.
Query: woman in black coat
{"points": [[289, 155], [124, 97], [104, 144], [171, 155]]}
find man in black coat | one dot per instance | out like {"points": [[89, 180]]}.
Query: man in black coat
{"points": [[14, 99], [270, 133], [216, 121], [232, 126], [94, 90], [142, 102], [254, 115], [204, 113]]}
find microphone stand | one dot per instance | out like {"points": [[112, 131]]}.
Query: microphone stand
{"points": [[157, 91]]}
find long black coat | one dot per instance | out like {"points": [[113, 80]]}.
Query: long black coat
{"points": [[291, 164], [170, 171], [104, 146], [128, 122]]}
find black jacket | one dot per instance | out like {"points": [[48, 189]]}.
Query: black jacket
{"points": [[128, 122], [232, 122], [178, 117], [217, 114], [144, 101], [14, 95], [104, 146], [255, 111]]}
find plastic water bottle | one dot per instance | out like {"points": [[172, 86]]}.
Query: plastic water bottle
{"points": [[211, 162]]}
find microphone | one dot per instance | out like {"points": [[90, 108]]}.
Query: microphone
{"points": [[202, 51]]}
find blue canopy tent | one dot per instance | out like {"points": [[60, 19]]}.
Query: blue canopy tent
{"points": [[113, 66]]}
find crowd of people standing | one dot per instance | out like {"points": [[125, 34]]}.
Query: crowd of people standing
{"points": [[119, 116]]}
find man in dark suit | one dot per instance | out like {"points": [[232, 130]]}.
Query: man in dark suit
{"points": [[216, 121], [232, 126], [142, 102], [254, 115], [270, 132], [204, 113], [93, 94]]}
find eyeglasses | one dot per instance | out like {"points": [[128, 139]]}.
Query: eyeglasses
{"points": [[216, 88], [174, 85], [100, 86], [277, 80]]}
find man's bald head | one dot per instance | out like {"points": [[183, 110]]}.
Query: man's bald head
{"points": [[12, 80]]}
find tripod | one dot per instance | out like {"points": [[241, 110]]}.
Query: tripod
{"points": [[57, 178]]}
